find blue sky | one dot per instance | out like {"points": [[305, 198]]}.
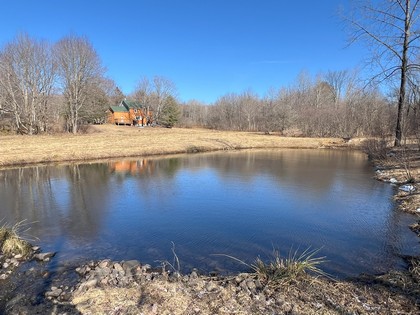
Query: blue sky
{"points": [[206, 47]]}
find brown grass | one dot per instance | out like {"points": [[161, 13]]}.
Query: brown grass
{"points": [[109, 141], [12, 242], [382, 295]]}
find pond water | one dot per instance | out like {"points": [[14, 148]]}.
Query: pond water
{"points": [[243, 204]]}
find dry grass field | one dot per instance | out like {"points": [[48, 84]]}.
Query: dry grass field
{"points": [[110, 141]]}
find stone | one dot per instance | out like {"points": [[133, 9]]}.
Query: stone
{"points": [[251, 285], [18, 256], [130, 265], [101, 272], [118, 267], [407, 188], [3, 276], [104, 263], [393, 181], [89, 284], [210, 287], [5, 265], [55, 292], [44, 256]]}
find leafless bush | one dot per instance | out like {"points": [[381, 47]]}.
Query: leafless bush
{"points": [[292, 132], [376, 149]]}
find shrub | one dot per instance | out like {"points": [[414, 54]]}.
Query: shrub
{"points": [[376, 149]]}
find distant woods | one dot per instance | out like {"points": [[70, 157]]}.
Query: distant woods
{"points": [[333, 104]]}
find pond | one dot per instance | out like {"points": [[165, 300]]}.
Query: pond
{"points": [[243, 204]]}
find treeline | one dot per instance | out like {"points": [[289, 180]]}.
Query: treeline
{"points": [[334, 104], [52, 87], [63, 86]]}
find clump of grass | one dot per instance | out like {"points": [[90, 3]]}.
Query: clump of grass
{"points": [[278, 271], [283, 270], [12, 241]]}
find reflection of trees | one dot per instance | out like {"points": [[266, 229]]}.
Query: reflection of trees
{"points": [[27, 194], [88, 195], [55, 198], [314, 168]]}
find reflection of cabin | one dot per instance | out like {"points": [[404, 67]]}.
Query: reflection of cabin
{"points": [[134, 168], [129, 113]]}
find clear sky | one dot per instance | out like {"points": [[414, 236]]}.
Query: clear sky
{"points": [[206, 47]]}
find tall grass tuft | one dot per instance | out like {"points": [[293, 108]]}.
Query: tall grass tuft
{"points": [[278, 271], [12, 241]]}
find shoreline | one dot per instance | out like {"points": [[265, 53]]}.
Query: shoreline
{"points": [[108, 287], [113, 142]]}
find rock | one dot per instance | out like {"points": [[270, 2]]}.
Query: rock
{"points": [[251, 285], [393, 181], [102, 272], [118, 267], [407, 188], [130, 265], [105, 263], [194, 275], [55, 292], [418, 210], [5, 265], [3, 276], [36, 248], [18, 256], [210, 287], [44, 256], [88, 284]]}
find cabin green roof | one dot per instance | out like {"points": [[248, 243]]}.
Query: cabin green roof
{"points": [[118, 109], [131, 104]]}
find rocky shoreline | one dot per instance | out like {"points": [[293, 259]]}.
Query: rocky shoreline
{"points": [[129, 287]]}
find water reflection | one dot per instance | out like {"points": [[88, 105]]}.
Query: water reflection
{"points": [[239, 203]]}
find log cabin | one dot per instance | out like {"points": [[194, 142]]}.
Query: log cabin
{"points": [[129, 113]]}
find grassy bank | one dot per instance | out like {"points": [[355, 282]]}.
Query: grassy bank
{"points": [[109, 141]]}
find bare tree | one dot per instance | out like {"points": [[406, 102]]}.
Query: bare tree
{"points": [[155, 94], [143, 91], [27, 74], [337, 80], [163, 88], [79, 68], [391, 30]]}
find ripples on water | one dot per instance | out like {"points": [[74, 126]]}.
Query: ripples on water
{"points": [[242, 203]]}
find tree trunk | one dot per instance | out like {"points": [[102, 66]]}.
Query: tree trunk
{"points": [[404, 63]]}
